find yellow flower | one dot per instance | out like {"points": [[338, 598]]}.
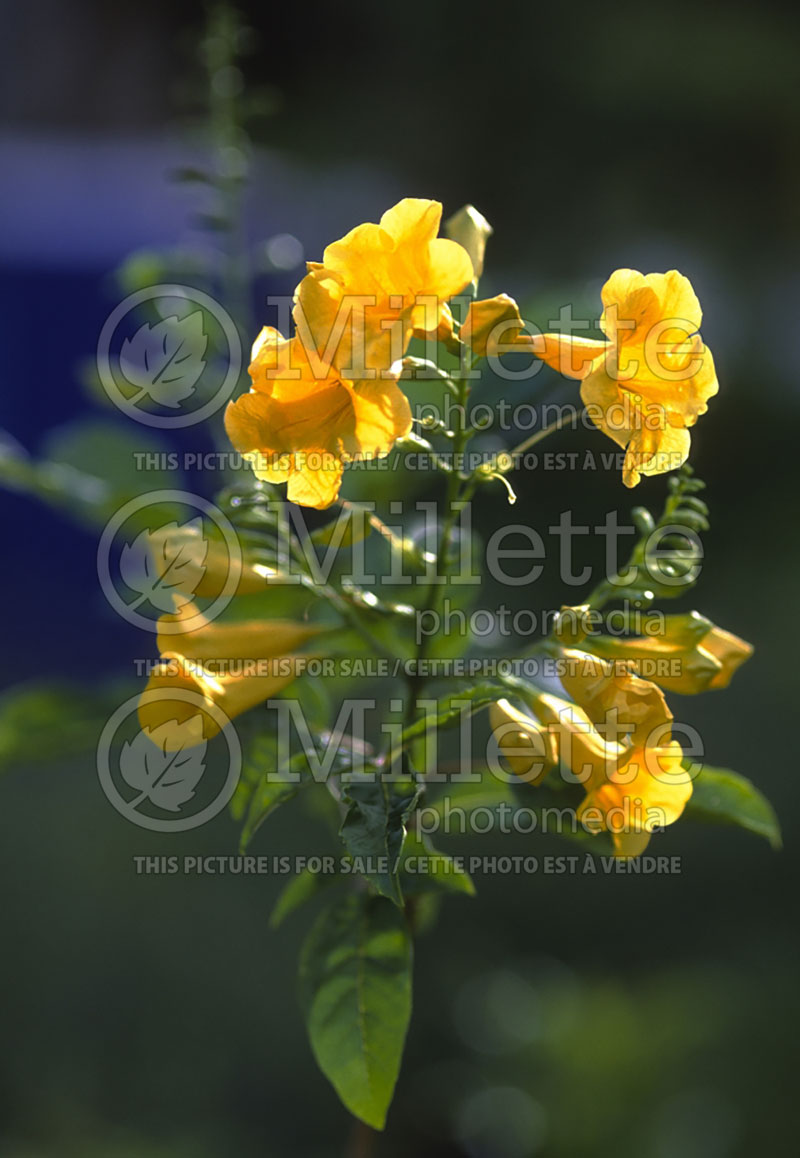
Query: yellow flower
{"points": [[649, 789], [299, 427], [357, 309], [614, 698], [197, 565], [616, 740], [631, 788], [494, 326], [234, 640], [648, 384], [329, 395], [691, 655], [231, 667], [528, 747]]}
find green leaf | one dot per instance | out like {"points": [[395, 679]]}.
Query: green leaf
{"points": [[468, 795], [424, 870], [352, 526], [355, 987], [43, 721], [374, 827], [451, 707], [263, 785], [108, 450], [268, 795], [499, 802], [301, 889], [314, 697], [91, 468], [724, 797]]}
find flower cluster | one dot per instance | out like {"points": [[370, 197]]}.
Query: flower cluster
{"points": [[614, 733], [596, 728], [329, 394]]}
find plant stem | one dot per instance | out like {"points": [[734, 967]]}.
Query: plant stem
{"points": [[325, 591], [361, 1143], [459, 491], [542, 434]]}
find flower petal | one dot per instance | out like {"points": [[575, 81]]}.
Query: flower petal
{"points": [[570, 355]]}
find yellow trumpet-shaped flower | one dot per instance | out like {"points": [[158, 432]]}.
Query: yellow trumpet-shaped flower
{"points": [[231, 667], [192, 716], [651, 380], [632, 787], [648, 790], [529, 748], [300, 426], [691, 655], [357, 309], [615, 699], [494, 326], [589, 755], [190, 563], [233, 640]]}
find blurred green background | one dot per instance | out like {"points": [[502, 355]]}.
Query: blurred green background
{"points": [[650, 1017]]}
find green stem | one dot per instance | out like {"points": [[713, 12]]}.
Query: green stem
{"points": [[541, 434], [459, 491], [228, 142], [325, 591], [610, 587], [361, 1143]]}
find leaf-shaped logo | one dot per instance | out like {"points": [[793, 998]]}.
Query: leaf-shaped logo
{"points": [[164, 764], [166, 565], [165, 360]]}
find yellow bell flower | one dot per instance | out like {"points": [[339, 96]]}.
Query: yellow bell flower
{"points": [[528, 747], [357, 309], [196, 565], [631, 787], [494, 326], [300, 428], [581, 747], [232, 640], [648, 790], [648, 384], [211, 662], [691, 655], [614, 698], [233, 694]]}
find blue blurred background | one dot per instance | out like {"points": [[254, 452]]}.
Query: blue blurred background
{"points": [[558, 1016]]}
